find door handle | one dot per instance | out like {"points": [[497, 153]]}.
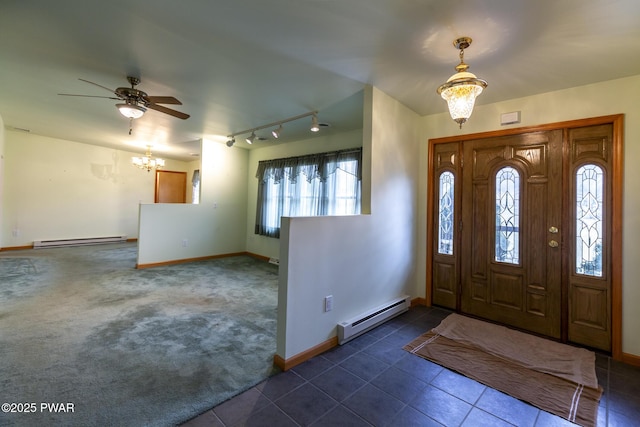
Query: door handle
{"points": [[553, 230], [553, 243]]}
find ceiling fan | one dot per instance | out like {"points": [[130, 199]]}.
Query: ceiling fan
{"points": [[136, 101]]}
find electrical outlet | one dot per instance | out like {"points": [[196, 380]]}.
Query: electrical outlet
{"points": [[185, 243], [328, 303]]}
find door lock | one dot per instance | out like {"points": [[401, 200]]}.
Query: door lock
{"points": [[553, 230]]}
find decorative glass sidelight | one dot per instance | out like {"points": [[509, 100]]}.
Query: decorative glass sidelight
{"points": [[445, 213], [589, 219], [507, 216]]}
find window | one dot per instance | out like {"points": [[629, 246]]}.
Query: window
{"points": [[445, 213], [589, 215], [507, 216], [195, 187], [316, 184]]}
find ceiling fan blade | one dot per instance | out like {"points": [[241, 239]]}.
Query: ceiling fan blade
{"points": [[90, 96], [96, 84], [169, 111], [162, 100]]}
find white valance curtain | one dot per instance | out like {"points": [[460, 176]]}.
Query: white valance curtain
{"points": [[311, 185]]}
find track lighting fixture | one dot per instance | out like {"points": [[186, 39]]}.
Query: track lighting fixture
{"points": [[315, 127], [314, 124], [276, 132]]}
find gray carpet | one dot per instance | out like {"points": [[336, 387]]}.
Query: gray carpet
{"points": [[130, 347]]}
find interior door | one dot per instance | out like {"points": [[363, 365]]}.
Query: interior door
{"points": [[511, 208], [171, 187]]}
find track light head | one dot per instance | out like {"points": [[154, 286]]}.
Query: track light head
{"points": [[251, 138], [276, 132], [314, 124], [230, 142]]}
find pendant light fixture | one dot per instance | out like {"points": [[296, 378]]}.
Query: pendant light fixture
{"points": [[461, 90], [148, 162]]}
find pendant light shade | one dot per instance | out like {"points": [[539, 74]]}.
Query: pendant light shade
{"points": [[461, 89]]}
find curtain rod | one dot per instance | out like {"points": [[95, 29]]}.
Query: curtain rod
{"points": [[326, 153], [279, 122]]}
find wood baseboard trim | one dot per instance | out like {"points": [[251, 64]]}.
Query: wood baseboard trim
{"points": [[299, 358], [631, 359], [16, 248], [419, 301], [260, 257], [185, 260]]}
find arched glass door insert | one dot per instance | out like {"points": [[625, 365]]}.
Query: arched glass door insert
{"points": [[507, 232]]}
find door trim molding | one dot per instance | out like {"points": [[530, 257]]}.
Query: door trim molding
{"points": [[617, 120]]}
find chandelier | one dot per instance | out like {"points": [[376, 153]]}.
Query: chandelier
{"points": [[461, 90], [147, 162]]}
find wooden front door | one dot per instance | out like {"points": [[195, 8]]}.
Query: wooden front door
{"points": [[524, 229], [511, 215]]}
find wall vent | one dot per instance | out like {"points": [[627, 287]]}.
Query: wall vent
{"points": [[368, 320]]}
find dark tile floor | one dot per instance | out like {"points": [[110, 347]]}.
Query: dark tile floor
{"points": [[371, 381]]}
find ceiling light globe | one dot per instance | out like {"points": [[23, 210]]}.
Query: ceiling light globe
{"points": [[131, 111]]}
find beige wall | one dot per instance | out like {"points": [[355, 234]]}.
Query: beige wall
{"points": [[363, 261], [58, 189], [216, 226], [601, 99]]}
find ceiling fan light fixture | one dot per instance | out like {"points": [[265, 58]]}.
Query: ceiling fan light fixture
{"points": [[461, 89], [131, 111]]}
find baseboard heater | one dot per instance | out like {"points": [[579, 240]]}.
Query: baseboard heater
{"points": [[39, 244], [352, 328]]}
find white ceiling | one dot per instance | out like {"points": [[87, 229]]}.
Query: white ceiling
{"points": [[238, 64]]}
